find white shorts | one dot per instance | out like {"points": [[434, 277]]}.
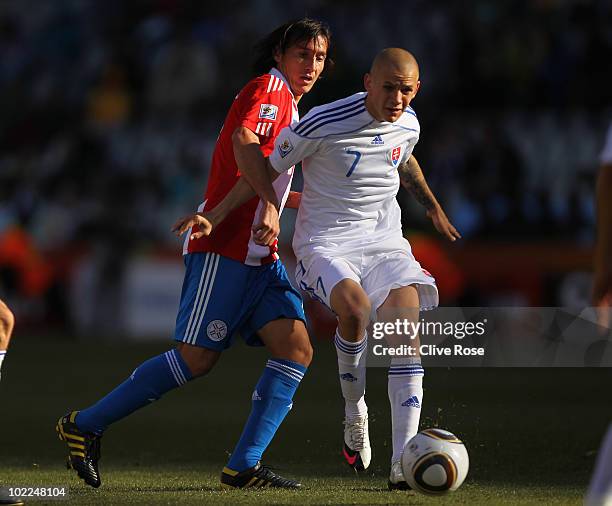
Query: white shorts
{"points": [[378, 269]]}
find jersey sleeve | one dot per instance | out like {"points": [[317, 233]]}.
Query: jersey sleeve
{"points": [[262, 106], [291, 148], [411, 123], [409, 149]]}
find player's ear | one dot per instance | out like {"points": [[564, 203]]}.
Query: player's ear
{"points": [[418, 86], [367, 82], [277, 55]]}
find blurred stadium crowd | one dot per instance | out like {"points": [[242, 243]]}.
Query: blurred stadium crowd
{"points": [[110, 112]]}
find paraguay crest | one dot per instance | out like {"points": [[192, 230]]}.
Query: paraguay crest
{"points": [[216, 330], [395, 155]]}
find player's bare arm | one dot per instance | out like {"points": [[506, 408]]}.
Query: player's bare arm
{"points": [[413, 180], [203, 223], [252, 165]]}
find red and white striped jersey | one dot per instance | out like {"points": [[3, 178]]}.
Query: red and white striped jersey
{"points": [[265, 106]]}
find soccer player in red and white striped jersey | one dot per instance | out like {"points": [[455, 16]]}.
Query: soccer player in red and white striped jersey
{"points": [[260, 111], [232, 284]]}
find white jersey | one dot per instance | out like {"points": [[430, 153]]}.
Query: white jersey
{"points": [[349, 164]]}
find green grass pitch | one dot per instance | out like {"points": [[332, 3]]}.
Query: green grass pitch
{"points": [[531, 434]]}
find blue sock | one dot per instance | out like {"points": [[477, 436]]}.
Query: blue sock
{"points": [[148, 382], [271, 403]]}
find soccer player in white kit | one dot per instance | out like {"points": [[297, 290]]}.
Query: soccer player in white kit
{"points": [[351, 254]]}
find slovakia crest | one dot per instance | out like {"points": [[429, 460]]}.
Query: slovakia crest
{"points": [[395, 155]]}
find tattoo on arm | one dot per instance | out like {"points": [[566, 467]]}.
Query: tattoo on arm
{"points": [[413, 180]]}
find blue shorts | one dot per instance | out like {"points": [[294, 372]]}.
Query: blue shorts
{"points": [[221, 296]]}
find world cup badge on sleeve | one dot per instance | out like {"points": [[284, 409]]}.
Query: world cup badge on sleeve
{"points": [[268, 111]]}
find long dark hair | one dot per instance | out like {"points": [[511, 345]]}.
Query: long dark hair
{"points": [[287, 35]]}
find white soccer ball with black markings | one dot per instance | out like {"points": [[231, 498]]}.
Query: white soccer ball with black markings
{"points": [[435, 462]]}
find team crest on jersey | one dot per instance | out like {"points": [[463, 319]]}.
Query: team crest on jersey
{"points": [[395, 155], [285, 148], [268, 111], [216, 330]]}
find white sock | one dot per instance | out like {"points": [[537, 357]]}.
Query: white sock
{"points": [[600, 488], [352, 373], [406, 397], [2, 353]]}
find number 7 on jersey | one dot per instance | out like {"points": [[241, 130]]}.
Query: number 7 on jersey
{"points": [[357, 155]]}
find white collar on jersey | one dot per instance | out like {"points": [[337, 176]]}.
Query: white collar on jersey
{"points": [[275, 72]]}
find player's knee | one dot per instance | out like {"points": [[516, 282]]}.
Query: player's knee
{"points": [[200, 361], [7, 322], [303, 353], [288, 339], [355, 313], [296, 347], [352, 306]]}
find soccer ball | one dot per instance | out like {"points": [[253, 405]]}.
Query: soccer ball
{"points": [[435, 462]]}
